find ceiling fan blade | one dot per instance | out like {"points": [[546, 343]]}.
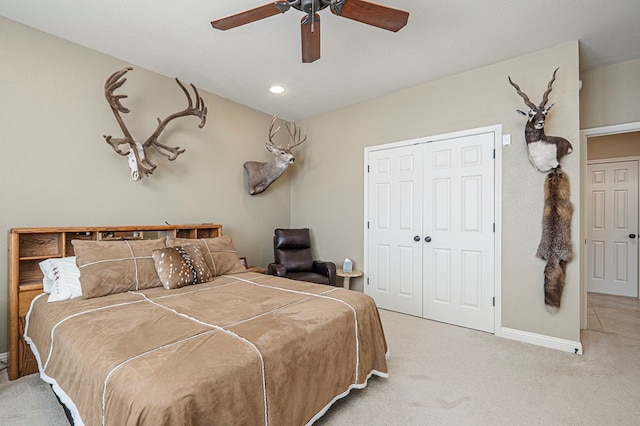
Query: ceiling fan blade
{"points": [[373, 14], [246, 17], [310, 31]]}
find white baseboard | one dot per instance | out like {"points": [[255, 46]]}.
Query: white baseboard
{"points": [[542, 340], [4, 357]]}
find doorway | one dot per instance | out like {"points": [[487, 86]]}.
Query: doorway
{"points": [[585, 135]]}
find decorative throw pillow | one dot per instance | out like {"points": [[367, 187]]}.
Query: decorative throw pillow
{"points": [[46, 266], [219, 253], [180, 266], [61, 278], [108, 267]]}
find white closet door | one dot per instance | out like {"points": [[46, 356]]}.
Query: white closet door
{"points": [[458, 225], [395, 218], [612, 228], [430, 237]]}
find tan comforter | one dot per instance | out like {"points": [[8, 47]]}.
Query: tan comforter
{"points": [[244, 349]]}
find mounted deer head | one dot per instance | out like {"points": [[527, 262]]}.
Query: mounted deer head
{"points": [[261, 175], [545, 152], [138, 153]]}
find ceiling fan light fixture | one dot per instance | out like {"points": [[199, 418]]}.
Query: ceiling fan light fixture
{"points": [[366, 12], [276, 89]]}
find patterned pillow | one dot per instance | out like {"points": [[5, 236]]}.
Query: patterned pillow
{"points": [[108, 267], [180, 266], [219, 253]]}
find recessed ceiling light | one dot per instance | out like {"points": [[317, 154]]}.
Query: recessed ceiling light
{"points": [[276, 89]]}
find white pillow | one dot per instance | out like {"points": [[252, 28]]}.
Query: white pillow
{"points": [[46, 267], [61, 278]]}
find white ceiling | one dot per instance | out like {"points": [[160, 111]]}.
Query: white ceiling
{"points": [[358, 62]]}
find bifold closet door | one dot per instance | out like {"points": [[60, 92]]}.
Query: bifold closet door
{"points": [[430, 229]]}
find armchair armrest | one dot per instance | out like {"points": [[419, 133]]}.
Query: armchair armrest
{"points": [[326, 268], [277, 269]]}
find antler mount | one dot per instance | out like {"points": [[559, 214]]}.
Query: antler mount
{"points": [[545, 152], [138, 153]]}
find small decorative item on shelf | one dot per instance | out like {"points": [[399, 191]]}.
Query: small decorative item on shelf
{"points": [[243, 260], [347, 265]]}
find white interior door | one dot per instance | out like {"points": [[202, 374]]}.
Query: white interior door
{"points": [[612, 228], [430, 236], [458, 225], [395, 218]]}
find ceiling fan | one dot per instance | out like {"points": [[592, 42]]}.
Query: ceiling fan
{"points": [[358, 10]]}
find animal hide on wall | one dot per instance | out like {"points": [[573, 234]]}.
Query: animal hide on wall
{"points": [[555, 245]]}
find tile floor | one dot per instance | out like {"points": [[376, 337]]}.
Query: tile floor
{"points": [[613, 313]]}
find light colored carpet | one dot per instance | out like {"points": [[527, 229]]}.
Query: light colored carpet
{"points": [[28, 401], [446, 375]]}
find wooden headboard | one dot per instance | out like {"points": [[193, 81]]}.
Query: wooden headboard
{"points": [[29, 246]]}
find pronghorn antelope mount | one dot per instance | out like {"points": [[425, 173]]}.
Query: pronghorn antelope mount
{"points": [[138, 153], [545, 152], [261, 175]]}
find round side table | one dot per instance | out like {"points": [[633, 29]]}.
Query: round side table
{"points": [[346, 276]]}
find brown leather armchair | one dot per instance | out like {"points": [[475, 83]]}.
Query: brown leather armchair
{"points": [[293, 259]]}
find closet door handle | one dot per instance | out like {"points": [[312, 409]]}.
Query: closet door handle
{"points": [[427, 239], [632, 236], [416, 238]]}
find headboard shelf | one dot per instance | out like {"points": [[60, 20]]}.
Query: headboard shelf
{"points": [[29, 246], [30, 270], [40, 245]]}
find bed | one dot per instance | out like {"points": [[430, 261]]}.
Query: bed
{"points": [[233, 347]]}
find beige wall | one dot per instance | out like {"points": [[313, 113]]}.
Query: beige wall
{"points": [[610, 95], [614, 146], [327, 193], [57, 170], [53, 116]]}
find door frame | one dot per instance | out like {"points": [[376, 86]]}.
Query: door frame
{"points": [[497, 187], [585, 134]]}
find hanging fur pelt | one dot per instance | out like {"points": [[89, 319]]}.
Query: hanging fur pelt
{"points": [[555, 245]]}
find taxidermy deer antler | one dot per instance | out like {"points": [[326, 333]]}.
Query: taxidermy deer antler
{"points": [[545, 152], [261, 175], [138, 154]]}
